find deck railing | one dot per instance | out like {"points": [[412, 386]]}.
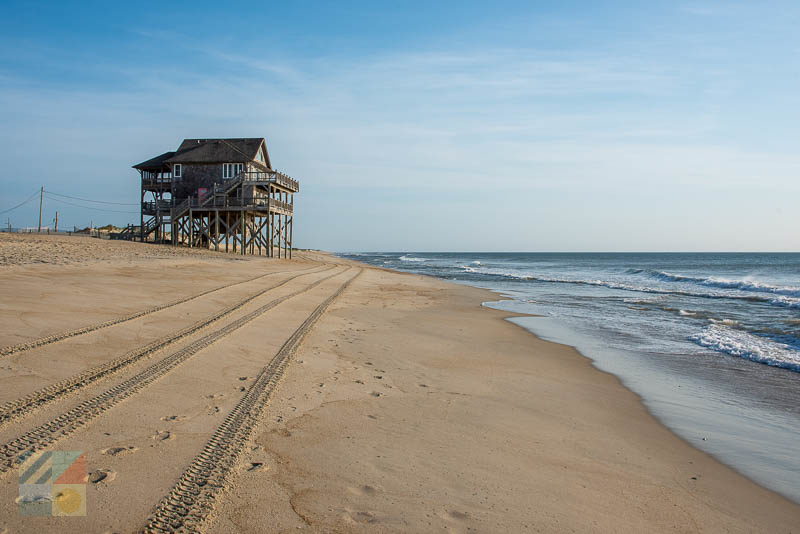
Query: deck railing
{"points": [[233, 202], [151, 206], [156, 180], [251, 177], [272, 177], [278, 204]]}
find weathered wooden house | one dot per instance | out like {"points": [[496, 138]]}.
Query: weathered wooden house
{"points": [[218, 193]]}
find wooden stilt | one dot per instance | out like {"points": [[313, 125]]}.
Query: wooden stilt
{"points": [[244, 232], [216, 230]]}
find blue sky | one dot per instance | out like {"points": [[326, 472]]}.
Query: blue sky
{"points": [[553, 126]]}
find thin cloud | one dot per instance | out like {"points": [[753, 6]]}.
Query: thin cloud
{"points": [[460, 126]]}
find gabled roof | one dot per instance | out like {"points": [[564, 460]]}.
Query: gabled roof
{"points": [[154, 164], [241, 150], [237, 150]]}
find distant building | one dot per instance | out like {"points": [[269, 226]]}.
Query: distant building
{"points": [[218, 193]]}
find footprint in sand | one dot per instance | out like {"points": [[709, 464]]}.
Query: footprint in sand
{"points": [[162, 435], [116, 451], [363, 517], [454, 515], [363, 490], [102, 475], [257, 466]]}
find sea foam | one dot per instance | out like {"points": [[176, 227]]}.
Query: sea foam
{"points": [[745, 345], [775, 300], [744, 284]]}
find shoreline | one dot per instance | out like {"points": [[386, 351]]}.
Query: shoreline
{"points": [[596, 365], [499, 297], [658, 405], [697, 408], [409, 406]]}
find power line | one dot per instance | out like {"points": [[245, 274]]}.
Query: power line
{"points": [[89, 200], [20, 204], [88, 207]]}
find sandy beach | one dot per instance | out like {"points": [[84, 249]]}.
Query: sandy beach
{"points": [[319, 394]]}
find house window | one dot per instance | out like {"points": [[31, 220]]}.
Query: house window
{"points": [[231, 170], [177, 170]]}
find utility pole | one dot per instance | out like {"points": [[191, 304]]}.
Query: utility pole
{"points": [[56, 222], [41, 200]]}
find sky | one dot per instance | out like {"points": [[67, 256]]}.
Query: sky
{"points": [[424, 126]]}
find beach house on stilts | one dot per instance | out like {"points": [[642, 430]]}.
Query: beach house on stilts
{"points": [[218, 193]]}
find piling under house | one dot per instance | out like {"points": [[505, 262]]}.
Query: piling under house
{"points": [[218, 193]]}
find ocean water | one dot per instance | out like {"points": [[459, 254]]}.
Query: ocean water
{"points": [[711, 342]]}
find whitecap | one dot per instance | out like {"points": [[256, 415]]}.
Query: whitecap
{"points": [[726, 322], [521, 275], [748, 346], [744, 284]]}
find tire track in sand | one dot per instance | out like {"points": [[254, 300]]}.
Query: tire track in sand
{"points": [[17, 450], [191, 500], [15, 409], [47, 340]]}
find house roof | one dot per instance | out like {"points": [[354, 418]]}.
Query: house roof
{"points": [[240, 150], [237, 150], [154, 164]]}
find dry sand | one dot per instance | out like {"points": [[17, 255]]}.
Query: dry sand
{"points": [[408, 407], [23, 249]]}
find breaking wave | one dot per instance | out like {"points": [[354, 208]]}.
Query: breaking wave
{"points": [[411, 258], [783, 301], [725, 283], [727, 322], [745, 345]]}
